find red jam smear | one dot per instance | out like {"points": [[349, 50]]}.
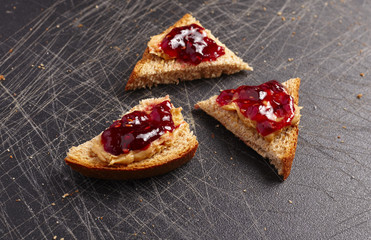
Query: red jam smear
{"points": [[190, 44], [262, 104], [138, 129]]}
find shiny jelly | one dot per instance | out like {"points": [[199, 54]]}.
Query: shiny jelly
{"points": [[268, 104], [190, 44], [136, 130]]}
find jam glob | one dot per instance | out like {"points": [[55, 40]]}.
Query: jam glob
{"points": [[190, 44], [268, 105], [136, 130]]}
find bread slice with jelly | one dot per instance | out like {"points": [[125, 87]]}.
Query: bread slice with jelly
{"points": [[155, 68], [179, 151], [280, 151]]}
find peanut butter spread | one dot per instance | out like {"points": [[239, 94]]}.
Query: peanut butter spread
{"points": [[250, 123], [156, 146]]}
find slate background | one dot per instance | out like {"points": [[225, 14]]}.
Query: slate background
{"points": [[89, 48]]}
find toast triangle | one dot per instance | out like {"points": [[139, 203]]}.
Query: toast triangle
{"points": [[154, 69], [280, 151], [83, 160]]}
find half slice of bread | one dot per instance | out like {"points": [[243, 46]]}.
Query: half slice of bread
{"points": [[155, 69], [183, 147], [280, 151]]}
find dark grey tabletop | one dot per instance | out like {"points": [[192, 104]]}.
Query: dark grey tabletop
{"points": [[66, 63]]}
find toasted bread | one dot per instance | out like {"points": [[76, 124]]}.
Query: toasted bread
{"points": [[154, 69], [82, 159], [280, 151]]}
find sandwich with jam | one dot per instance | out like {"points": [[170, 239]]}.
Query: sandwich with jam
{"points": [[184, 51], [265, 117], [151, 139]]}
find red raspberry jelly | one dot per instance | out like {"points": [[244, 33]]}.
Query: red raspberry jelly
{"points": [[268, 104], [190, 44], [136, 130]]}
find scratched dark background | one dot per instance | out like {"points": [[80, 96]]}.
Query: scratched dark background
{"points": [[66, 63]]}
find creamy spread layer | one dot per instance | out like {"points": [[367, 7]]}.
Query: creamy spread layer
{"points": [[267, 107], [143, 134]]}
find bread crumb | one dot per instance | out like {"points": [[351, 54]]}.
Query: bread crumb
{"points": [[293, 19], [65, 195], [362, 74], [290, 201], [338, 137], [293, 33], [359, 96], [10, 156], [279, 13], [344, 127], [80, 25], [96, 6], [315, 16], [265, 229], [231, 158], [11, 50], [244, 190], [62, 238], [2, 78], [140, 200], [117, 48], [55, 237], [18, 200], [283, 19], [53, 204], [58, 26], [264, 9], [290, 59]]}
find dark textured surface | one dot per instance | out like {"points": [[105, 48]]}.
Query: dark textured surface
{"points": [[227, 191]]}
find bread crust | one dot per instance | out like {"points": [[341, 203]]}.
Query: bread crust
{"points": [[283, 158], [153, 69], [126, 173]]}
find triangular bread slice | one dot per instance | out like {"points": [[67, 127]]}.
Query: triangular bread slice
{"points": [[280, 151], [154, 69], [82, 159]]}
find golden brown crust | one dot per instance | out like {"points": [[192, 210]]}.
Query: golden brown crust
{"points": [[126, 173], [288, 160], [280, 151], [153, 69]]}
